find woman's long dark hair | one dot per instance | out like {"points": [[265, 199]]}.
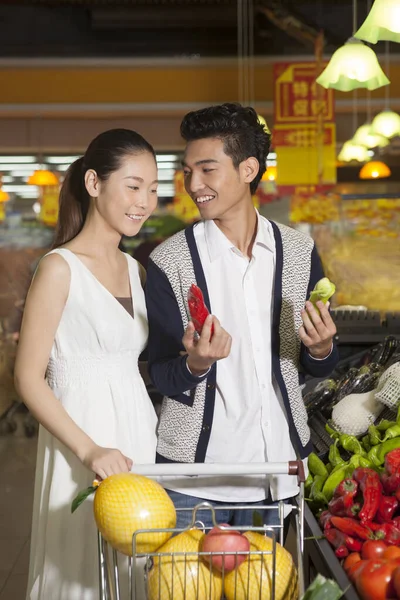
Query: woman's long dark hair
{"points": [[104, 155]]}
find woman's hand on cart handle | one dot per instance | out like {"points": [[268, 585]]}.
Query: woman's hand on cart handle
{"points": [[106, 461]]}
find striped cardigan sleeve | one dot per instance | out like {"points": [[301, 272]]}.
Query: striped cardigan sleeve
{"points": [[168, 370]]}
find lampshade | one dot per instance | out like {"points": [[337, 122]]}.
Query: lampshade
{"points": [[353, 66], [351, 151], [382, 22], [365, 136], [43, 177], [263, 122], [386, 123], [270, 174], [375, 170], [4, 197]]}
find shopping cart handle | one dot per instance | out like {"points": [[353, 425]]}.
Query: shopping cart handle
{"points": [[292, 467]]}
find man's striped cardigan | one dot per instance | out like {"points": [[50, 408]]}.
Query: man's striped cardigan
{"points": [[187, 411]]}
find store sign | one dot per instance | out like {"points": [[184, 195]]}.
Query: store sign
{"points": [[298, 99], [304, 136]]}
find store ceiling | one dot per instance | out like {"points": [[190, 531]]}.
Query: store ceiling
{"points": [[114, 28]]}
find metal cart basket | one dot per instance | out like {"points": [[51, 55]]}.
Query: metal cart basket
{"points": [[123, 578]]}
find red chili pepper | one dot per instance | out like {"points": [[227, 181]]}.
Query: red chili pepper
{"points": [[337, 539], [352, 527], [392, 461], [388, 532], [342, 501], [386, 509], [391, 483], [353, 545], [371, 488], [197, 308], [325, 520]]}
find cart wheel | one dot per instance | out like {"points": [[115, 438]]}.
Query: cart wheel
{"points": [[7, 426]]}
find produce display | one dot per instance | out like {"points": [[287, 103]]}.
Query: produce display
{"points": [[353, 488]]}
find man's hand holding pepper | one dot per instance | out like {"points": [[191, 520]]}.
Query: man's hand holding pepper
{"points": [[205, 350], [318, 330]]}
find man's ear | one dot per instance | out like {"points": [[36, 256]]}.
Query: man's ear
{"points": [[92, 183], [249, 169]]}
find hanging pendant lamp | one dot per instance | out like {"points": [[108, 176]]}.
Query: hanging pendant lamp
{"points": [[386, 123], [353, 66], [365, 136], [382, 23], [375, 170], [43, 177], [351, 151]]}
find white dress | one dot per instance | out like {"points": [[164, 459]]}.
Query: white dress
{"points": [[93, 371]]}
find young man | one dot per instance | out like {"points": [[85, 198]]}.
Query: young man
{"points": [[235, 398]]}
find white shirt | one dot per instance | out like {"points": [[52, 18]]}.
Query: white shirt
{"points": [[249, 423]]}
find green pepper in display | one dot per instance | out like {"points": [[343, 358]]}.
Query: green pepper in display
{"points": [[366, 443], [386, 447], [334, 455], [334, 479], [316, 465], [307, 484], [335, 435], [385, 424], [374, 435], [392, 432], [351, 444], [317, 486]]}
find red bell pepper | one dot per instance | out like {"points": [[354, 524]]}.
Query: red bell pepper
{"points": [[386, 509], [392, 461], [342, 502], [371, 488], [352, 527], [197, 308], [391, 483]]}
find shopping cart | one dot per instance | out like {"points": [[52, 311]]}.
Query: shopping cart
{"points": [[179, 566]]}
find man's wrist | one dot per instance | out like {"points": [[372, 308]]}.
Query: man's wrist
{"points": [[322, 355], [196, 372]]}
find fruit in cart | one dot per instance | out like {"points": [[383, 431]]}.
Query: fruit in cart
{"points": [[323, 290], [225, 540], [374, 582], [373, 549], [182, 574], [253, 579], [127, 502]]}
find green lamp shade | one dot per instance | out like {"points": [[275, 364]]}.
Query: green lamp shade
{"points": [[353, 66], [365, 136], [386, 123], [351, 151], [382, 23]]}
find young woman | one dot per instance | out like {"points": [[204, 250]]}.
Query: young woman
{"points": [[84, 327]]}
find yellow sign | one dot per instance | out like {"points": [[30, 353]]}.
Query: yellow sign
{"points": [[49, 205]]}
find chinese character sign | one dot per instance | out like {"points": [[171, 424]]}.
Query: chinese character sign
{"points": [[298, 99]]}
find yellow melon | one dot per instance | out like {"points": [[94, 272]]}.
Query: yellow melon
{"points": [[127, 502], [253, 579], [183, 578]]}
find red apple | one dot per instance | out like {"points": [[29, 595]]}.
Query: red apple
{"points": [[225, 540]]}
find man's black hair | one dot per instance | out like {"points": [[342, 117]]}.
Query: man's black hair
{"points": [[237, 127]]}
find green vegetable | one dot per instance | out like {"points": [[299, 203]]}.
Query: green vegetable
{"points": [[377, 453], [392, 432], [317, 486], [307, 484], [316, 466], [351, 444], [385, 424], [334, 455], [323, 290], [335, 478], [374, 435], [366, 443], [335, 435], [323, 589]]}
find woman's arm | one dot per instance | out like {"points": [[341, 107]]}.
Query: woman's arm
{"points": [[43, 310]]}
